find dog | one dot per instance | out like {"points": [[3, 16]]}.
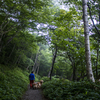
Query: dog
{"points": [[37, 85], [40, 83], [34, 85]]}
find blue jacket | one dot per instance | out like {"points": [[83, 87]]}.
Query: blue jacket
{"points": [[31, 76]]}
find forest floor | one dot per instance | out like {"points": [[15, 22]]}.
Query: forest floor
{"points": [[33, 94]]}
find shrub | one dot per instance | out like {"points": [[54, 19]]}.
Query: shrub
{"points": [[13, 82], [37, 78], [66, 90], [45, 79]]}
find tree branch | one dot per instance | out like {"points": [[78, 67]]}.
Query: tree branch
{"points": [[9, 40], [92, 19]]}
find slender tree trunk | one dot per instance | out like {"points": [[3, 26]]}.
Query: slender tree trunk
{"points": [[74, 71], [37, 64], [53, 61], [11, 53], [37, 70], [87, 44], [49, 72], [36, 59], [17, 60], [3, 46], [97, 61], [71, 78], [99, 14], [1, 28], [72, 60], [29, 64], [82, 71]]}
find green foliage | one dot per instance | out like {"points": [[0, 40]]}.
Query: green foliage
{"points": [[45, 59], [19, 50], [66, 90], [37, 78], [17, 18], [68, 38], [13, 82], [45, 79]]}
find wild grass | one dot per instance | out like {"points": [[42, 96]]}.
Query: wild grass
{"points": [[67, 90], [13, 82]]}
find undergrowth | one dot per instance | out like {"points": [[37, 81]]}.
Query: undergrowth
{"points": [[66, 90], [13, 83]]}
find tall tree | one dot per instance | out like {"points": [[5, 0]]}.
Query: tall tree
{"points": [[53, 62], [87, 44]]}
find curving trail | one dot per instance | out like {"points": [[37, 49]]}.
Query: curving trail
{"points": [[32, 94]]}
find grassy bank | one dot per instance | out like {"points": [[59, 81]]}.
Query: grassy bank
{"points": [[13, 82], [67, 90]]}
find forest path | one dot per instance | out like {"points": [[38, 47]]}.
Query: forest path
{"points": [[33, 94]]}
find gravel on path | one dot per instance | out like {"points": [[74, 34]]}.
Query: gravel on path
{"points": [[33, 94]]}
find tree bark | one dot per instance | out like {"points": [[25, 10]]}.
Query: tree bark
{"points": [[11, 53], [72, 60], [53, 61], [36, 58], [97, 30], [37, 70], [17, 60], [87, 44], [37, 64], [29, 64], [74, 71], [97, 61]]}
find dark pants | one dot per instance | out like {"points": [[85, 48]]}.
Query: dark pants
{"points": [[31, 83]]}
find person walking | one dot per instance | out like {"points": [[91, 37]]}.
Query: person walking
{"points": [[31, 78]]}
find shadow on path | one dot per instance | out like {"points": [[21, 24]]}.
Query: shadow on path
{"points": [[32, 94]]}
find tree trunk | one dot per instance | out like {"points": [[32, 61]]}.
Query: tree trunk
{"points": [[37, 64], [72, 60], [29, 64], [87, 44], [37, 70], [97, 30], [53, 61], [97, 61], [36, 59], [11, 53], [17, 60], [74, 71]]}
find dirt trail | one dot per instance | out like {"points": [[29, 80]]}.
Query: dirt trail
{"points": [[31, 94]]}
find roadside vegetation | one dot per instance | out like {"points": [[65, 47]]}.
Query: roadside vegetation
{"points": [[54, 41], [13, 82], [62, 89]]}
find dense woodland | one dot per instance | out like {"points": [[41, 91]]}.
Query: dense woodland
{"points": [[54, 38]]}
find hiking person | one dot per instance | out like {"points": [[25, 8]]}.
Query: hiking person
{"points": [[31, 78]]}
